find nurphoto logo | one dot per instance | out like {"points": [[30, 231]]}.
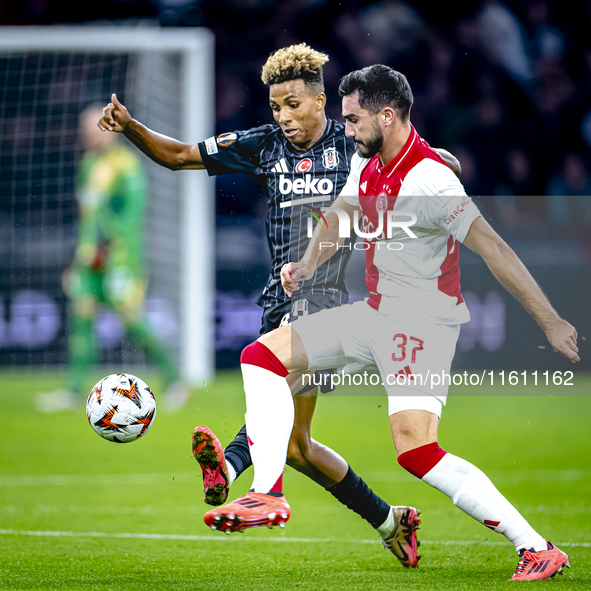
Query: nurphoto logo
{"points": [[388, 221], [400, 219]]}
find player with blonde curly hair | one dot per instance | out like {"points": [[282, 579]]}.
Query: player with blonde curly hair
{"points": [[293, 63]]}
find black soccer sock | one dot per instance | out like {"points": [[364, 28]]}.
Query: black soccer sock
{"points": [[238, 452], [353, 492]]}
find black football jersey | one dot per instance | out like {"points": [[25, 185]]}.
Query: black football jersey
{"points": [[297, 185]]}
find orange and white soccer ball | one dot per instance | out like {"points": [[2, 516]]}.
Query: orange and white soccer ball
{"points": [[121, 408]]}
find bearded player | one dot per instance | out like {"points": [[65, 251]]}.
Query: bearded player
{"points": [[410, 322], [306, 155]]}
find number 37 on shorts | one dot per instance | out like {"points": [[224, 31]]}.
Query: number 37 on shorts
{"points": [[400, 342], [420, 351]]}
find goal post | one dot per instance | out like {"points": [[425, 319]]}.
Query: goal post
{"points": [[166, 78]]}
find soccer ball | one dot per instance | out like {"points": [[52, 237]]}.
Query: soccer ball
{"points": [[121, 408]]}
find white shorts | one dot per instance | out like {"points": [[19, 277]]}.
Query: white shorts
{"points": [[412, 353]]}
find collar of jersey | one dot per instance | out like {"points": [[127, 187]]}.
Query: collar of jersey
{"points": [[327, 132], [389, 169]]}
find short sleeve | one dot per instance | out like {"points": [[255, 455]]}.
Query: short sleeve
{"points": [[350, 192], [235, 152], [446, 204], [457, 215]]}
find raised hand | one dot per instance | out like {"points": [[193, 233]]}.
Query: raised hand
{"points": [[115, 116]]}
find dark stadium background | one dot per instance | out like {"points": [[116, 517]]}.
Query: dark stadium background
{"points": [[506, 86]]}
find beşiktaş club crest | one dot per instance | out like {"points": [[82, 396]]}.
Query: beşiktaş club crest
{"points": [[330, 158], [381, 203], [299, 308]]}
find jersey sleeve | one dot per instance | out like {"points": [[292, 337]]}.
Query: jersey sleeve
{"points": [[445, 203], [235, 152], [350, 191]]}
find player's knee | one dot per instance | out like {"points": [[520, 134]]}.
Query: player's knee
{"points": [[406, 439], [298, 451], [295, 455], [260, 355]]}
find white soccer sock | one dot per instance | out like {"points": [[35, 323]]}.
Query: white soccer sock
{"points": [[230, 472], [269, 421], [473, 492], [388, 526]]}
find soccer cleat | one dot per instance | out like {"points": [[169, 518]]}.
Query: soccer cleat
{"points": [[209, 454], [402, 542], [535, 566], [251, 510]]}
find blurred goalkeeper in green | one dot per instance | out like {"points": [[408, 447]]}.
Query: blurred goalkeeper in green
{"points": [[108, 267]]}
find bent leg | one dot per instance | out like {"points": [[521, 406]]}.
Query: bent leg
{"points": [[304, 454], [285, 344], [318, 462], [415, 437], [265, 366], [269, 404], [329, 469]]}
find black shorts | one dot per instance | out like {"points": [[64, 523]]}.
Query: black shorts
{"points": [[284, 313]]}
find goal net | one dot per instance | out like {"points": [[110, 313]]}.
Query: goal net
{"points": [[48, 76]]}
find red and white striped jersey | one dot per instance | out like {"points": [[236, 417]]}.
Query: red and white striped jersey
{"points": [[404, 275]]}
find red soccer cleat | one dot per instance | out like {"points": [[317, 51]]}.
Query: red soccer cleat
{"points": [[210, 455], [251, 510], [402, 542], [535, 566]]}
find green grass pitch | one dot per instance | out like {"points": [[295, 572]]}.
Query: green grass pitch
{"points": [[78, 512]]}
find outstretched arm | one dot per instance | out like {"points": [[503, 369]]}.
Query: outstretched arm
{"points": [[162, 149], [517, 280]]}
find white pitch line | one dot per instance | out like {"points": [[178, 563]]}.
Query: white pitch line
{"points": [[97, 479], [193, 538]]}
